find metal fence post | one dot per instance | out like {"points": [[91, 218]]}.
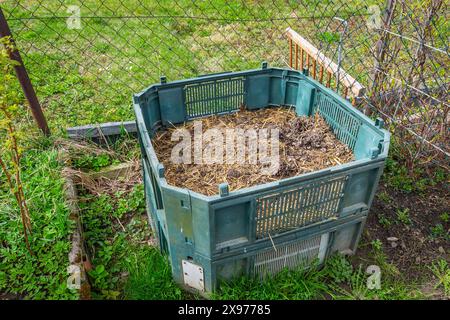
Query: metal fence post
{"points": [[341, 40], [24, 79]]}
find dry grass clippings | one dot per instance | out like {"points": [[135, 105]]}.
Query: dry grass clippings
{"points": [[305, 144]]}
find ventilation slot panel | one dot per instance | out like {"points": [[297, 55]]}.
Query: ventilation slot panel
{"points": [[344, 124], [295, 255], [213, 97], [297, 207]]}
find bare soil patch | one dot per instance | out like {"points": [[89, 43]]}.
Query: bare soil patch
{"points": [[417, 246]]}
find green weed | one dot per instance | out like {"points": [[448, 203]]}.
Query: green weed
{"points": [[384, 196], [400, 178], [43, 275], [93, 162], [441, 271], [338, 269], [384, 221], [438, 231], [358, 289], [445, 217], [403, 216], [380, 259], [377, 245]]}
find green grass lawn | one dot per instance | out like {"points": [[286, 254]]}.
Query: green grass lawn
{"points": [[88, 75]]}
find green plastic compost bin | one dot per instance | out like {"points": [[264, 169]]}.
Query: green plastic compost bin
{"points": [[258, 231]]}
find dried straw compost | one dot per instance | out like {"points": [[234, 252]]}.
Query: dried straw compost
{"points": [[305, 144]]}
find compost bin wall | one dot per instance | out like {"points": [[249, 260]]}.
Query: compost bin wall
{"points": [[242, 225]]}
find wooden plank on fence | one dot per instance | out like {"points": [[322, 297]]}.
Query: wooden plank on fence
{"points": [[347, 80]]}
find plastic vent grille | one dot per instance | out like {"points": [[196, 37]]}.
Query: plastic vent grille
{"points": [[344, 125], [294, 255], [293, 208], [214, 97]]}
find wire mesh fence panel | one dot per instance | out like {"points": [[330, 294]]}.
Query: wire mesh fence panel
{"points": [[410, 81], [86, 58]]}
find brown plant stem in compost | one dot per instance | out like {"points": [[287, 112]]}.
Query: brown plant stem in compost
{"points": [[305, 144]]}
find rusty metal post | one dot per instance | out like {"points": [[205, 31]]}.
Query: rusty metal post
{"points": [[24, 79]]}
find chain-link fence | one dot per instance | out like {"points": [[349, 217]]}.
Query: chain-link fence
{"points": [[86, 58], [410, 81]]}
